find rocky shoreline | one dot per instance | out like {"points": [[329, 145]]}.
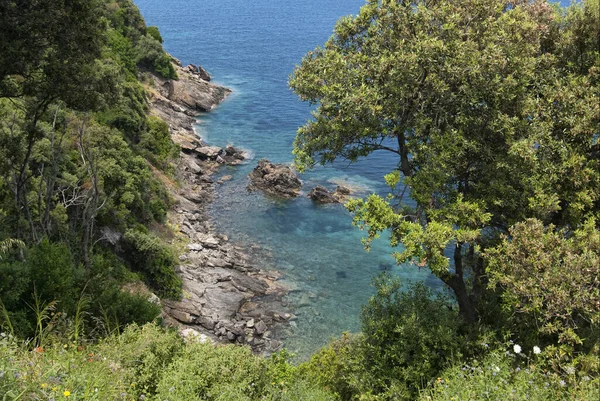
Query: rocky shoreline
{"points": [[226, 297]]}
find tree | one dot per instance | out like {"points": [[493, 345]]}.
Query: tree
{"points": [[489, 108]]}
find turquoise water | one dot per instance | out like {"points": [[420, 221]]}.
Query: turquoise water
{"points": [[252, 47]]}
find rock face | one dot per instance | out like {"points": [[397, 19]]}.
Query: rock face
{"points": [[322, 195], [275, 179]]}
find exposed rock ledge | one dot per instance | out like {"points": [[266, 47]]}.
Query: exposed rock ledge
{"points": [[274, 179], [225, 295]]}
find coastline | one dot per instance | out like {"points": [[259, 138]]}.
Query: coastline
{"points": [[226, 297]]}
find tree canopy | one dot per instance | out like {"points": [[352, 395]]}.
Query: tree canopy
{"points": [[490, 106]]}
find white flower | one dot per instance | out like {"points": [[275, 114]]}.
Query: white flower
{"points": [[517, 349], [536, 350]]}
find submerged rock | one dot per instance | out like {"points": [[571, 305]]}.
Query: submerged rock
{"points": [[320, 194], [275, 179]]}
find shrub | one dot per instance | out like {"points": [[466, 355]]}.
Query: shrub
{"points": [[148, 255], [508, 376], [150, 54], [155, 33], [408, 337], [210, 373], [339, 368], [157, 144]]}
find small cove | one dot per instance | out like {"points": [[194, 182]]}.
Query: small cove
{"points": [[252, 47]]}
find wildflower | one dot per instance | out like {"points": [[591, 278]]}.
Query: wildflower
{"points": [[537, 350], [66, 393], [562, 383], [517, 349], [570, 370], [585, 378], [44, 385]]}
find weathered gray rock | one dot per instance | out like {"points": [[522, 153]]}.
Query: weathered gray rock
{"points": [[193, 93], [275, 179], [260, 327], [223, 304], [322, 195], [208, 152], [203, 74], [342, 190]]}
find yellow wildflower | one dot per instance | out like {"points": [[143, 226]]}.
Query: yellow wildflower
{"points": [[67, 393], [44, 385]]}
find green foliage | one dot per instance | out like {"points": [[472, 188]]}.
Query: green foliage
{"points": [[206, 372], [549, 283], [148, 255], [510, 377], [147, 353], [490, 110], [340, 368], [144, 363], [150, 54], [408, 337], [157, 143], [155, 33]]}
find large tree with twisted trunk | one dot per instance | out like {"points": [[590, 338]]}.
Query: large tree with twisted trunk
{"points": [[491, 108]]}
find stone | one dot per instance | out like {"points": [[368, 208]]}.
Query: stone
{"points": [[260, 327], [194, 167], [195, 247], [231, 336], [275, 179], [250, 323], [206, 322], [153, 299], [183, 317], [203, 74], [226, 178], [190, 335], [322, 195], [342, 190], [208, 152], [222, 303]]}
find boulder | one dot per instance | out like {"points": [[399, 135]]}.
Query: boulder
{"points": [[232, 155], [275, 179], [342, 190], [322, 195], [203, 74], [208, 152]]}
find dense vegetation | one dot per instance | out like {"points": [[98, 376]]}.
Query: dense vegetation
{"points": [[76, 149], [492, 108]]}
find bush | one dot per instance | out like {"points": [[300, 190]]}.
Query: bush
{"points": [[154, 33], [505, 375], [408, 336], [407, 339], [148, 255], [147, 362], [150, 54], [157, 144], [339, 368], [210, 373], [47, 273]]}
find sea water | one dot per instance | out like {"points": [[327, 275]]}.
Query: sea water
{"points": [[252, 48]]}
